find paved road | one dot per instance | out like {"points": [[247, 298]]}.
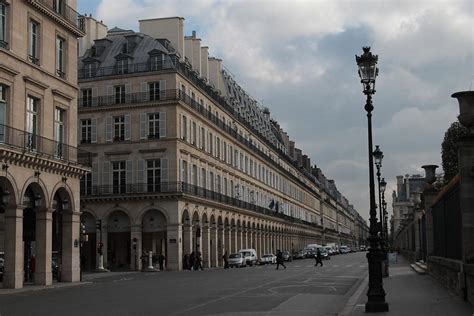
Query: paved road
{"points": [[301, 289]]}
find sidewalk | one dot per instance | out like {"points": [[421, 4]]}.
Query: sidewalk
{"points": [[409, 293]]}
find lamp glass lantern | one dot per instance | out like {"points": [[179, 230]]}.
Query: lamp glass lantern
{"points": [[378, 156], [368, 70], [383, 185]]}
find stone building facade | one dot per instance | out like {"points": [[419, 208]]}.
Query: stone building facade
{"points": [[39, 178], [183, 158]]}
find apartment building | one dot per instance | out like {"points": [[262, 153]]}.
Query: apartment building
{"points": [[40, 162], [183, 158]]}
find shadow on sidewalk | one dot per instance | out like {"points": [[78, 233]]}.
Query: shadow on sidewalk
{"points": [[408, 293]]}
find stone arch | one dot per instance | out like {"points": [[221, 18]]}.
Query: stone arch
{"points": [[154, 232], [139, 217], [64, 191], [39, 188], [118, 224], [185, 217]]}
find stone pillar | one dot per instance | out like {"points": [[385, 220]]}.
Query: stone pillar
{"points": [[44, 246], [70, 267], [136, 248], [198, 239], [206, 242], [105, 248], [187, 239], [244, 238], [214, 247], [227, 242], [429, 195], [221, 245], [233, 239], [239, 238], [13, 277], [174, 253]]}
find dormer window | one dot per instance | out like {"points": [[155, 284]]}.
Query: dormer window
{"points": [[157, 62], [125, 48], [89, 70], [122, 66]]}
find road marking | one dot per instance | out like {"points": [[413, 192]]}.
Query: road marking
{"points": [[362, 266], [349, 266], [122, 279]]}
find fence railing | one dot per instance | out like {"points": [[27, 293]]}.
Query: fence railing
{"points": [[184, 188], [62, 9], [42, 147]]}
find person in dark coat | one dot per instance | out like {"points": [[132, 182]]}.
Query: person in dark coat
{"points": [[192, 258], [226, 260], [319, 258], [198, 264], [161, 260], [185, 261], [280, 260]]}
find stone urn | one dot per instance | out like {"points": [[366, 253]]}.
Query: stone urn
{"points": [[466, 108]]}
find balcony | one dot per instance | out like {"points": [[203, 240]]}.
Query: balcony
{"points": [[184, 188], [63, 11], [42, 147]]}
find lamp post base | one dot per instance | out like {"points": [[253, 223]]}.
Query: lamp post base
{"points": [[376, 307]]}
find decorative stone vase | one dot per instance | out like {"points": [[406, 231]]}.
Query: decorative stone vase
{"points": [[466, 108]]}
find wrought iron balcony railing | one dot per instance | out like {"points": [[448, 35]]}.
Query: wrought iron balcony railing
{"points": [[62, 9], [183, 188], [42, 147]]}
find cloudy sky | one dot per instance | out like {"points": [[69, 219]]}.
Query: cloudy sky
{"points": [[297, 58]]}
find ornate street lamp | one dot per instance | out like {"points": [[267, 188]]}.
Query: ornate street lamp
{"points": [[368, 71]]}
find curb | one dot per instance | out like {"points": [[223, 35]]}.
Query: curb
{"points": [[352, 301], [41, 288]]}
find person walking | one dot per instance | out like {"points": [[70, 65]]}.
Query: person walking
{"points": [[192, 259], [198, 259], [161, 260], [280, 260], [185, 262], [226, 260], [319, 258]]}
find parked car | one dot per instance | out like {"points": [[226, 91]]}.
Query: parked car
{"points": [[287, 256], [330, 250], [268, 258], [299, 254], [310, 252], [236, 260], [250, 256], [362, 248], [344, 250]]}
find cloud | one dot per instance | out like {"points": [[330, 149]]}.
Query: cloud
{"points": [[298, 57]]}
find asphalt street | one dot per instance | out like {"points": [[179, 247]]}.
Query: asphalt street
{"points": [[301, 289]]}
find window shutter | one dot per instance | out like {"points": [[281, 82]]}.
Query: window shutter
{"points": [[162, 89], [129, 174], [162, 124], [106, 177], [128, 92], [95, 176], [128, 132], [79, 130], [94, 130], [143, 125], [108, 128], [94, 97], [110, 94], [181, 170], [144, 91], [164, 170], [141, 177]]}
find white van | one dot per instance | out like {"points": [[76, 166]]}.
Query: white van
{"points": [[250, 256]]}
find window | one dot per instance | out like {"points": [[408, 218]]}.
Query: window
{"points": [[203, 138], [119, 128], [194, 131], [86, 184], [210, 142], [3, 110], [86, 131], [33, 45], [122, 66], [59, 137], [118, 176], [157, 62], [153, 175], [154, 125], [86, 100], [60, 57], [154, 91], [184, 127], [119, 94], [218, 147], [3, 25], [31, 123], [58, 6], [89, 70]]}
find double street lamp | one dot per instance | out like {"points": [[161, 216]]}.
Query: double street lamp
{"points": [[368, 71]]}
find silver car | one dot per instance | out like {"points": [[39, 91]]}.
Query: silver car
{"points": [[236, 260]]}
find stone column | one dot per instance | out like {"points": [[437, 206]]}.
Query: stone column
{"points": [[70, 267], [44, 246], [244, 238], [214, 247], [227, 243], [239, 238], [174, 253], [233, 239], [206, 242], [105, 251], [429, 195], [136, 250], [187, 239], [13, 277]]}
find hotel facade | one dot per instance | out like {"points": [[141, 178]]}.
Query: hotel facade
{"points": [[184, 160]]}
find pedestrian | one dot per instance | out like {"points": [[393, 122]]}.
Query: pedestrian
{"points": [[198, 261], [319, 258], [32, 268], [185, 261], [226, 260], [280, 260], [144, 259], [192, 258], [161, 260]]}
